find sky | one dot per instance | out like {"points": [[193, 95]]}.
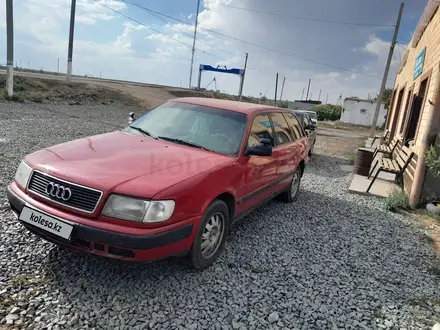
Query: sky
{"points": [[117, 39]]}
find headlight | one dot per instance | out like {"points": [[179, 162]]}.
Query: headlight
{"points": [[138, 210], [22, 174]]}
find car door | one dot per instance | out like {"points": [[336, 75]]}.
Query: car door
{"points": [[310, 129], [259, 172], [301, 146], [284, 140]]}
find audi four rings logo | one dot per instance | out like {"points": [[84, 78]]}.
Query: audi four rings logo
{"points": [[58, 191]]}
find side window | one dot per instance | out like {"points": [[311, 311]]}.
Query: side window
{"points": [[294, 123], [261, 128], [283, 133]]}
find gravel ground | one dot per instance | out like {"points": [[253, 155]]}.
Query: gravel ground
{"points": [[329, 261]]}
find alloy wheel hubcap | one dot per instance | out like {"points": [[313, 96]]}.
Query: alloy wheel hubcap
{"points": [[295, 184], [212, 235]]}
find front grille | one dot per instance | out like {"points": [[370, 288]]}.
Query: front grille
{"points": [[83, 199]]}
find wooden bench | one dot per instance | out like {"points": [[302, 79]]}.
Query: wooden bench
{"points": [[385, 136], [387, 148], [402, 157]]}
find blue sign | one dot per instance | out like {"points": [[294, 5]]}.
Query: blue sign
{"points": [[420, 60], [210, 68], [267, 124]]}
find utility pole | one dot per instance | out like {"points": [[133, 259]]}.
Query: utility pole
{"points": [[282, 89], [385, 75], [308, 88], [70, 50], [326, 99], [194, 43], [319, 97], [10, 48], [302, 95], [240, 92], [58, 66], [276, 90]]}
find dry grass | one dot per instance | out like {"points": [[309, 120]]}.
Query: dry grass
{"points": [[346, 127], [432, 227], [36, 90]]}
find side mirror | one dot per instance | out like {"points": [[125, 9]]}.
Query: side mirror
{"points": [[131, 118], [262, 149]]}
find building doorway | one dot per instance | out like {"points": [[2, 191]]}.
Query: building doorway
{"points": [[396, 114], [416, 110]]}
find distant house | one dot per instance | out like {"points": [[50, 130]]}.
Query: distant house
{"points": [[302, 104], [361, 112]]}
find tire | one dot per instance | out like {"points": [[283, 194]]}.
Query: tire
{"points": [[292, 192], [217, 213]]}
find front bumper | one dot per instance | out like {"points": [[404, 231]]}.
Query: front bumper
{"points": [[145, 245]]}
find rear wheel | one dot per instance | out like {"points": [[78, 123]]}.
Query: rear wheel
{"points": [[292, 192], [211, 236]]}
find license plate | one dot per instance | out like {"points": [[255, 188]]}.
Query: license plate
{"points": [[45, 222]]}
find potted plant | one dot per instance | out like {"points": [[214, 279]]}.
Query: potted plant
{"points": [[433, 164]]}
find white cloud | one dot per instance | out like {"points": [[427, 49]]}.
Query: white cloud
{"points": [[142, 53], [124, 40]]}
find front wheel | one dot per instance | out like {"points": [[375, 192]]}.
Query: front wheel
{"points": [[211, 235], [292, 192]]}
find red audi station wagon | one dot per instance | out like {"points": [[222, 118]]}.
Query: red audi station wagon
{"points": [[170, 184]]}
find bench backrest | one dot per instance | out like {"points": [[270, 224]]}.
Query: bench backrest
{"points": [[403, 156], [394, 143]]}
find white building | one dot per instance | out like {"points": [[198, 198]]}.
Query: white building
{"points": [[361, 112]]}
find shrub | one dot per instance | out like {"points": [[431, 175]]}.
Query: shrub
{"points": [[328, 112], [433, 162], [397, 200], [283, 104], [350, 157]]}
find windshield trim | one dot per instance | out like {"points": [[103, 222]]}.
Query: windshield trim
{"points": [[205, 108]]}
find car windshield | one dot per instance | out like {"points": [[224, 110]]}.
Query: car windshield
{"points": [[214, 129], [312, 114]]}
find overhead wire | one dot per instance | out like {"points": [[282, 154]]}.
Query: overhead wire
{"points": [[256, 45], [299, 17], [137, 4], [175, 39]]}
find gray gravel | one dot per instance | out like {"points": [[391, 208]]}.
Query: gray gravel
{"points": [[329, 261]]}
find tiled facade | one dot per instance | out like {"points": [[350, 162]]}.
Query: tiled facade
{"points": [[406, 88]]}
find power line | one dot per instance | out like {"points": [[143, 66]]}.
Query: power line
{"points": [[172, 38], [260, 46], [137, 4], [298, 17]]}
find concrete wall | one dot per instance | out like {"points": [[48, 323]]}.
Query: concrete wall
{"points": [[361, 112]]}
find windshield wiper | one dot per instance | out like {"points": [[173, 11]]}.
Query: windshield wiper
{"points": [[144, 132], [184, 142]]}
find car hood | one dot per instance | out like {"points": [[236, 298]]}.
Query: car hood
{"points": [[124, 163]]}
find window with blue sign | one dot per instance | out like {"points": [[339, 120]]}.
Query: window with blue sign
{"points": [[261, 128], [418, 67]]}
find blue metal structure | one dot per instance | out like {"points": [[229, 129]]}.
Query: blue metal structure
{"points": [[204, 67]]}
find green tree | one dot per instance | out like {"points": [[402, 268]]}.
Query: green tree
{"points": [[328, 112], [386, 99]]}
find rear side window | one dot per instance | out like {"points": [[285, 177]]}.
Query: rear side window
{"points": [[294, 123], [261, 128], [283, 133]]}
